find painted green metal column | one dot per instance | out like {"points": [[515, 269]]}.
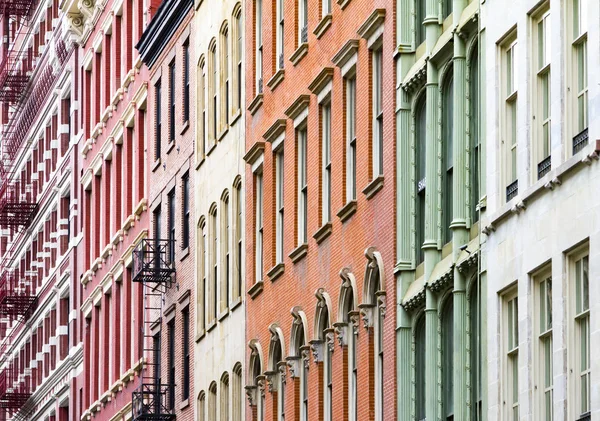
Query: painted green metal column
{"points": [[460, 235], [431, 355]]}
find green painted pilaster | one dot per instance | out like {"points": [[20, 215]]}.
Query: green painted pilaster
{"points": [[404, 25], [431, 356], [404, 351]]}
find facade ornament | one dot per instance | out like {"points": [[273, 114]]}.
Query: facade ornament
{"points": [[251, 395], [282, 368], [366, 314], [87, 9], [354, 320], [305, 355], [74, 27], [269, 380], [340, 332], [329, 339], [260, 381], [316, 347], [292, 363], [381, 302]]}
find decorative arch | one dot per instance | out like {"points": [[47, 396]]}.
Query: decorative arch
{"points": [[348, 291], [276, 335], [255, 390], [323, 309], [201, 61], [299, 326]]}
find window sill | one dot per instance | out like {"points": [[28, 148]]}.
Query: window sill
{"points": [[199, 336], [186, 126], [343, 3], [184, 404], [323, 26], [276, 79], [212, 148], [322, 233], [200, 162], [347, 211], [235, 304], [223, 314], [184, 253], [222, 134], [255, 104], [373, 187], [276, 271], [170, 146], [235, 116], [211, 325], [156, 165], [256, 289], [299, 54], [298, 253]]}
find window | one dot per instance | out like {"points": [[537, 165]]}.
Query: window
{"points": [[202, 273], [185, 388], [156, 346], [352, 357], [475, 354], [225, 255], [327, 400], [171, 223], [447, 157], [259, 45], [185, 237], [237, 240], [259, 398], [212, 402], [280, 34], [157, 119], [302, 187], [172, 101], [186, 81], [350, 99], [326, 163], [302, 21], [419, 364], [509, 119], [581, 320], [446, 8], [419, 18], [171, 333], [511, 320], [377, 98], [544, 346], [325, 8], [420, 151], [213, 265], [279, 385], [303, 379], [474, 132], [541, 86], [224, 77], [279, 204], [378, 319], [236, 408], [237, 57], [447, 339], [224, 411], [157, 231], [202, 143], [212, 91], [258, 223], [578, 83], [202, 407]]}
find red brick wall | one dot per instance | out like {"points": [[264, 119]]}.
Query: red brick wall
{"points": [[371, 225]]}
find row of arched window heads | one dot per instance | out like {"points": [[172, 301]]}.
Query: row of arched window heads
{"points": [[224, 397], [269, 376]]}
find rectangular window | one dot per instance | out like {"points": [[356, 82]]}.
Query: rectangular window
{"points": [[185, 388], [581, 320], [326, 163], [225, 256], [280, 235], [302, 187], [302, 21], [171, 224], [172, 101], [157, 119], [325, 8], [511, 320], [509, 117], [238, 239], [544, 347], [578, 84], [185, 237], [258, 223], [259, 45], [238, 58], [202, 146], [350, 99], [171, 333], [377, 96], [541, 84], [213, 89], [280, 34], [186, 81], [225, 77]]}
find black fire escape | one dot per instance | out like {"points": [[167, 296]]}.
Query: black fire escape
{"points": [[153, 266]]}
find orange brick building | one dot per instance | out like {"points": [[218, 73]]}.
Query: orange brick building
{"points": [[319, 130]]}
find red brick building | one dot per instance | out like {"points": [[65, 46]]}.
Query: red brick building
{"points": [[320, 199], [166, 261]]}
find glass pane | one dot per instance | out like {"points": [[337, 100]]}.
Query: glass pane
{"points": [[548, 405], [585, 284], [548, 362], [578, 303], [541, 49], [543, 306], [509, 72], [549, 303]]}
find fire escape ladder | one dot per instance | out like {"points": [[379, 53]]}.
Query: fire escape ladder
{"points": [[153, 268]]}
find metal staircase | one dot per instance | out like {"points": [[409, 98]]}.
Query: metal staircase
{"points": [[152, 267]]}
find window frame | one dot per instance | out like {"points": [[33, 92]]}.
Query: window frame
{"points": [[511, 353], [543, 346], [212, 93], [258, 35], [577, 73], [351, 142], [157, 119], [186, 214], [302, 184], [225, 253], [325, 116], [225, 77], [509, 113], [185, 320], [259, 226], [541, 90], [279, 205], [213, 275], [186, 81], [377, 110], [172, 101]]}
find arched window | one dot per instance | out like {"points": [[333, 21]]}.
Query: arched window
{"points": [[475, 355], [348, 312], [377, 316], [225, 254], [300, 349], [474, 132], [236, 52], [224, 50], [324, 334], [213, 241], [275, 361], [447, 342], [420, 153], [202, 406], [257, 396], [212, 92], [447, 156], [201, 276], [201, 144], [224, 397], [237, 239], [236, 393], [212, 402], [419, 364]]}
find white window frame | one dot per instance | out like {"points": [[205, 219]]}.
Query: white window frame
{"points": [[225, 253], [225, 78], [279, 204], [352, 373], [351, 152], [259, 46], [377, 110], [302, 182], [542, 329], [259, 225], [577, 69], [302, 20], [280, 34], [326, 162], [541, 84], [509, 56], [511, 354]]}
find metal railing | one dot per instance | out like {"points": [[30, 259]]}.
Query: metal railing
{"points": [[152, 262], [512, 190], [150, 402], [580, 140], [544, 167]]}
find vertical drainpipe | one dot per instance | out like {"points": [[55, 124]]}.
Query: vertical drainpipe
{"points": [[430, 245], [460, 234]]}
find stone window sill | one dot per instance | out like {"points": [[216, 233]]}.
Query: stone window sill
{"points": [[276, 79], [170, 146], [343, 3], [276, 271], [255, 289], [224, 313], [298, 253], [184, 253], [184, 404], [156, 165], [373, 187], [255, 104], [186, 126], [322, 233], [347, 211], [299, 54], [322, 26]]}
